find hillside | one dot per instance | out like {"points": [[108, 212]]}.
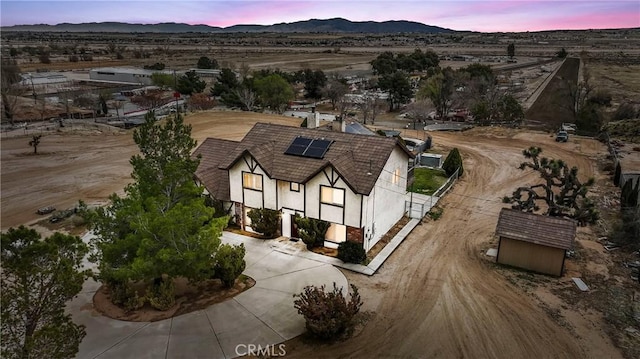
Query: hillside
{"points": [[313, 25]]}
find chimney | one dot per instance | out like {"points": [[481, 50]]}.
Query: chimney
{"points": [[313, 119], [338, 124]]}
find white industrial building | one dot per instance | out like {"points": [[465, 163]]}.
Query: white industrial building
{"points": [[125, 75]]}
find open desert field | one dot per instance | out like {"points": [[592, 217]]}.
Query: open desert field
{"points": [[89, 162]]}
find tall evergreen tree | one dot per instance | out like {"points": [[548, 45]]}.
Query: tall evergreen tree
{"points": [[38, 278]]}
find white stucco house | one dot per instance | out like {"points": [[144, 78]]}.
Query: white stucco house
{"points": [[356, 182]]}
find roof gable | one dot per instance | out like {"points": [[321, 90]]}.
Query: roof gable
{"points": [[534, 228], [359, 159], [214, 179]]}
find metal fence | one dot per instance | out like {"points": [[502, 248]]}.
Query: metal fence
{"points": [[420, 209], [447, 185]]}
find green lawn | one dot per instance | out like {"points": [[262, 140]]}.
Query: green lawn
{"points": [[427, 180]]}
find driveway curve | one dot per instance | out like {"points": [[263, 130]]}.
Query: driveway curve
{"points": [[263, 315]]}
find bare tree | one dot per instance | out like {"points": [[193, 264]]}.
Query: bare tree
{"points": [[576, 95], [247, 97], [150, 99], [370, 106], [334, 90], [10, 89]]}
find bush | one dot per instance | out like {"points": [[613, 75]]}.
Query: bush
{"points": [[435, 213], [134, 302], [625, 111], [328, 315], [311, 231], [351, 252], [453, 162], [265, 221], [229, 263], [162, 295], [73, 58]]}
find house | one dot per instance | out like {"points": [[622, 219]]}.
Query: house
{"points": [[534, 242], [355, 182]]}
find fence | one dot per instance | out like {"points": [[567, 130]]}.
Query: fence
{"points": [[419, 209], [447, 185]]}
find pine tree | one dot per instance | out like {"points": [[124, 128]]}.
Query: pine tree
{"points": [[38, 278]]}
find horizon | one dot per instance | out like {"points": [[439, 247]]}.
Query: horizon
{"points": [[464, 15]]}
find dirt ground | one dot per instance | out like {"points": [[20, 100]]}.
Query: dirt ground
{"points": [[436, 296], [88, 162]]}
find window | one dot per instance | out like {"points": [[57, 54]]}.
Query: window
{"points": [[334, 196], [396, 176], [295, 187], [252, 181]]}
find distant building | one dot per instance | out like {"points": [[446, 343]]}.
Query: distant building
{"points": [[125, 75]]}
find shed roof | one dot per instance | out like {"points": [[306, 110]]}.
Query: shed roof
{"points": [[352, 156], [534, 228], [214, 179]]}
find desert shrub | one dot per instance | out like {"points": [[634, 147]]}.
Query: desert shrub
{"points": [[265, 221], [453, 162], [625, 111], [351, 252], [44, 58], [328, 315], [311, 231], [161, 294], [73, 58], [627, 231], [229, 263], [119, 292], [435, 213], [134, 302]]}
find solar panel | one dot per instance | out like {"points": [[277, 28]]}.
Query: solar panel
{"points": [[314, 152], [301, 141], [307, 147]]}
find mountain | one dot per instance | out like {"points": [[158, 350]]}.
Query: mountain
{"points": [[313, 25]]}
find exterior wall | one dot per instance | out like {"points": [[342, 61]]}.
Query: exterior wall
{"points": [[112, 75], [251, 198], [386, 202], [348, 215], [288, 198], [531, 256]]}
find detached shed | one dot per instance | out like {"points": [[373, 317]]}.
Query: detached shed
{"points": [[534, 242]]}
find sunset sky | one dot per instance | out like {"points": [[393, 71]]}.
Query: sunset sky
{"points": [[486, 16]]}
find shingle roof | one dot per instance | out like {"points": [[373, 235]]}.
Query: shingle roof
{"points": [[214, 179], [544, 230], [351, 155]]}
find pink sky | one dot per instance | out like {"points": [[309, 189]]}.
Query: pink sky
{"points": [[487, 16]]}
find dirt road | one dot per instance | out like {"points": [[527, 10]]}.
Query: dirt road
{"points": [[438, 297]]}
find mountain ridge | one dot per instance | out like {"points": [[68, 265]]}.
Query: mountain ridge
{"points": [[339, 25]]}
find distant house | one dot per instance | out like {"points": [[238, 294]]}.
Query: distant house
{"points": [[355, 182], [534, 242]]}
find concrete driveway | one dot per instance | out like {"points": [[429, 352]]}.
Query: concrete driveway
{"points": [[263, 315]]}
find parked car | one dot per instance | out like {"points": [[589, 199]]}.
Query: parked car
{"points": [[562, 136], [568, 127]]}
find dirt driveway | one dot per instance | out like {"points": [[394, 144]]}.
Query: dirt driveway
{"points": [[438, 297], [435, 297]]}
